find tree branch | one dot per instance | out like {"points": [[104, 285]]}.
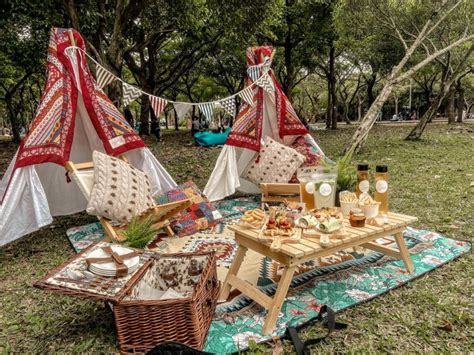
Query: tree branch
{"points": [[429, 59]]}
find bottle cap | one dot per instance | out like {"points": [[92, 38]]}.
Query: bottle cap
{"points": [[381, 169], [362, 166]]}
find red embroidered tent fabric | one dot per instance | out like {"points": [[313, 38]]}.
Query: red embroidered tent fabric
{"points": [[271, 114], [74, 118], [51, 132], [247, 129]]}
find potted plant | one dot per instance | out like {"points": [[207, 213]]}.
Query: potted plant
{"points": [[140, 232]]}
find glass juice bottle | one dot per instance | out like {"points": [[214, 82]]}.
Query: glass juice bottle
{"points": [[362, 179], [381, 187], [306, 188]]}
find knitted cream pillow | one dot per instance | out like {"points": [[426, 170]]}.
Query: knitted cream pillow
{"points": [[275, 163], [120, 191]]}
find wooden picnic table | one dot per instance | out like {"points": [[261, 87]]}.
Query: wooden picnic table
{"points": [[308, 248]]}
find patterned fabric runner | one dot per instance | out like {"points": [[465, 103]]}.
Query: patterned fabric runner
{"points": [[339, 281]]}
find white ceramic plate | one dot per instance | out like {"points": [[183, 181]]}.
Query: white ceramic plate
{"points": [[110, 268], [109, 273]]}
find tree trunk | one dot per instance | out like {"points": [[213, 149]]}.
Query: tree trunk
{"points": [[289, 81], [359, 109], [155, 125], [128, 116], [460, 102], [176, 123], [193, 121], [13, 120], [360, 135], [331, 117], [451, 105], [167, 113], [145, 116], [396, 106], [446, 87], [370, 89], [416, 132]]}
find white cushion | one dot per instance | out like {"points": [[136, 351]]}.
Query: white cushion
{"points": [[120, 191], [276, 163]]}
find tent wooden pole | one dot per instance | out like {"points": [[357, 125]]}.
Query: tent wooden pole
{"points": [[71, 37]]}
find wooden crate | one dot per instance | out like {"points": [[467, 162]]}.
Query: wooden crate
{"points": [[274, 193]]}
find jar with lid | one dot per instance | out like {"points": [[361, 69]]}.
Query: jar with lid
{"points": [[381, 187], [362, 184]]}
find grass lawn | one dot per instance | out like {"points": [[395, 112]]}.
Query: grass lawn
{"points": [[430, 179]]}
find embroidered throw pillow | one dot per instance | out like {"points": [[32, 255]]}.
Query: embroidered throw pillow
{"points": [[276, 163], [120, 191], [313, 155], [200, 215]]}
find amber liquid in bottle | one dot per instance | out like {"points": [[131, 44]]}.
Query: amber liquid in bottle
{"points": [[381, 187], [307, 194], [362, 184]]}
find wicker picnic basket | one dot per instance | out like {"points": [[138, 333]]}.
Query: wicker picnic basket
{"points": [[143, 324]]}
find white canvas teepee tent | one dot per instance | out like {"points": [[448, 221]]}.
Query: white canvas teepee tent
{"points": [[73, 119], [269, 113]]}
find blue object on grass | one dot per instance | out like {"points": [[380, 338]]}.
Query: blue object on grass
{"points": [[206, 139]]}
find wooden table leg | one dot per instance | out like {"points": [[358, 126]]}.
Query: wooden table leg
{"points": [[405, 254], [233, 270], [278, 298]]}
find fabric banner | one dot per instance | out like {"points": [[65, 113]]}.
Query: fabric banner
{"points": [[207, 110], [253, 72], [228, 105], [104, 77], [266, 83], [158, 104], [182, 109], [247, 95], [130, 93]]}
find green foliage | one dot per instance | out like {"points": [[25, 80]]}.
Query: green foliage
{"points": [[344, 169], [140, 232]]}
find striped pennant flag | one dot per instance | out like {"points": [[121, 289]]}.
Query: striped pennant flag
{"points": [[130, 93], [266, 83], [228, 105], [182, 108], [104, 77], [207, 110], [247, 96], [253, 72], [158, 104]]}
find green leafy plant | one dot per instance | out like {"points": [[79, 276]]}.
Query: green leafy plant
{"points": [[346, 174], [140, 232]]}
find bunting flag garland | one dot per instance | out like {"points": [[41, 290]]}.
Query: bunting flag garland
{"points": [[258, 73], [228, 105], [104, 77], [207, 109], [247, 96], [266, 83], [253, 72], [130, 93], [158, 104], [181, 108]]}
